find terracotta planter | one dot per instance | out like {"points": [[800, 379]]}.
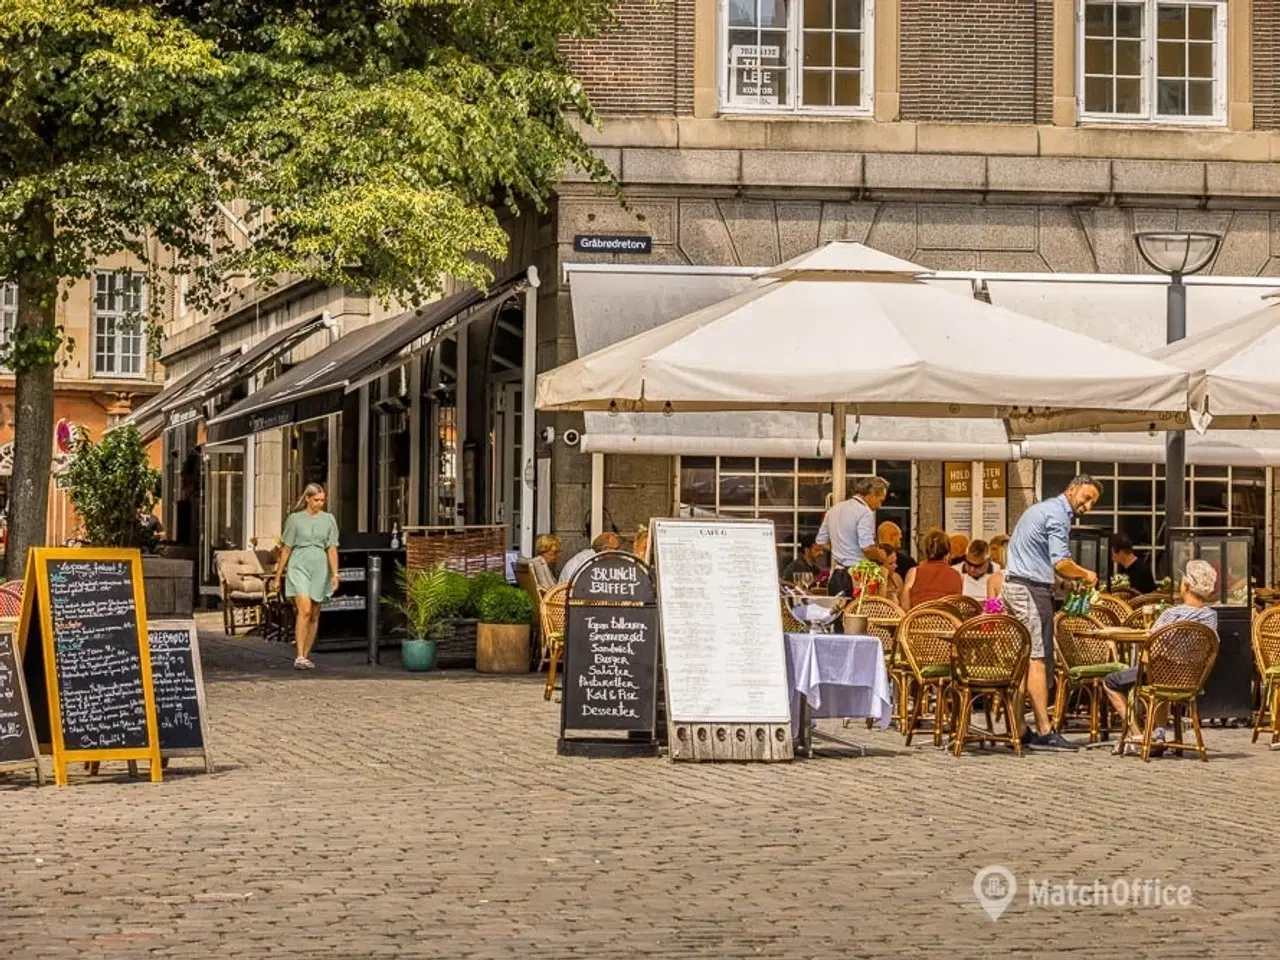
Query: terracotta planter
{"points": [[502, 648]]}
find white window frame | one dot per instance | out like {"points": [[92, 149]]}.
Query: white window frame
{"points": [[119, 335], [8, 310], [1148, 116], [795, 34]]}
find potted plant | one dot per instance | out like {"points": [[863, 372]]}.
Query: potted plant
{"points": [[502, 638], [867, 576], [114, 491], [422, 600]]}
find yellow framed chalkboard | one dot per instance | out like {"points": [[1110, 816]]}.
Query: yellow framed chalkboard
{"points": [[85, 652]]}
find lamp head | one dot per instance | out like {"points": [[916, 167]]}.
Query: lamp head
{"points": [[1178, 252]]}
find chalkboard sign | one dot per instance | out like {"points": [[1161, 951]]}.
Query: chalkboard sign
{"points": [[83, 626], [611, 650], [178, 680], [18, 749]]}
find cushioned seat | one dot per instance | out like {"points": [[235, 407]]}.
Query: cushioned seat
{"points": [[1095, 670], [243, 576], [1274, 672], [936, 670]]}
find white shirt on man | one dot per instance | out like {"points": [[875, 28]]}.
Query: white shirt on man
{"points": [[574, 563], [976, 587]]}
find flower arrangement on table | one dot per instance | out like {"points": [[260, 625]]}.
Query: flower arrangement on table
{"points": [[867, 576]]}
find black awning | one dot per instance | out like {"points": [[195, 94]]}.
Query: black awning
{"points": [[153, 406], [315, 387], [186, 407]]}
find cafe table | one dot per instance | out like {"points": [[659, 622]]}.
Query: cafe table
{"points": [[835, 676], [1129, 637]]}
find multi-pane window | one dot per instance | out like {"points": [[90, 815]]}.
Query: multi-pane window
{"points": [[801, 55], [1153, 60], [1133, 502], [8, 310], [791, 492], [119, 302]]}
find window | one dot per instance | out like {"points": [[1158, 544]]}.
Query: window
{"points": [[119, 300], [8, 310], [1154, 60], [1133, 502], [797, 55], [792, 493]]}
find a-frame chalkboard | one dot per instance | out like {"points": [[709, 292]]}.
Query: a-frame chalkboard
{"points": [[18, 747], [83, 637], [178, 680]]}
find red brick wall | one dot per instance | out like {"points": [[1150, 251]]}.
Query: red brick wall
{"points": [[1266, 72], [644, 64], [976, 61]]}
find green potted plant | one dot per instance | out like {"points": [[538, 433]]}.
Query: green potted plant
{"points": [[114, 491], [422, 600], [866, 575], [502, 638]]}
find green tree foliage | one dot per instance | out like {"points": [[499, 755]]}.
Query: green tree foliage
{"points": [[368, 143], [114, 489]]}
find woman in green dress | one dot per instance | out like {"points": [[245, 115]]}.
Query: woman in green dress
{"points": [[309, 567]]}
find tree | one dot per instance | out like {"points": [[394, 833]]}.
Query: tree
{"points": [[369, 143]]}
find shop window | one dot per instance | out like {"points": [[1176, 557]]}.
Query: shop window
{"points": [[119, 302], [811, 56], [792, 493], [1133, 502], [1151, 60], [8, 310]]}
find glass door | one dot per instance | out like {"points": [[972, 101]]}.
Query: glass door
{"points": [[507, 457], [222, 526]]}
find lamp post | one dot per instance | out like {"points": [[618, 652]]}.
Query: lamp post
{"points": [[1176, 254]]}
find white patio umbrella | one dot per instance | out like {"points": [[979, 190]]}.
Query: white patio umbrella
{"points": [[1234, 371], [847, 329]]}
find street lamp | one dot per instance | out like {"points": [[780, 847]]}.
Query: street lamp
{"points": [[1176, 254]]}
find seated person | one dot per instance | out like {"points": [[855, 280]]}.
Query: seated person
{"points": [[602, 543], [892, 589], [1136, 568], [1198, 584], [934, 578], [546, 551], [977, 570], [808, 561]]}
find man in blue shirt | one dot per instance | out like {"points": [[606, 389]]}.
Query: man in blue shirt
{"points": [[1039, 550]]}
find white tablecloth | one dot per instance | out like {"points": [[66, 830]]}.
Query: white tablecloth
{"points": [[842, 677]]}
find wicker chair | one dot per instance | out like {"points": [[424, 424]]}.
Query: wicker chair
{"points": [[1266, 654], [880, 608], [923, 638], [1123, 593], [1153, 599], [1082, 663], [990, 655], [1107, 616], [1112, 604], [1138, 620], [1172, 670], [789, 622], [11, 598], [553, 617], [966, 608]]}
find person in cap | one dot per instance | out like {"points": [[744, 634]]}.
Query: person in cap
{"points": [[1199, 582]]}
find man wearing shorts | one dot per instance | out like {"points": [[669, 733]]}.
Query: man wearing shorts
{"points": [[1039, 550]]}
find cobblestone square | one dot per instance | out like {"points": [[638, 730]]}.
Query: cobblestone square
{"points": [[367, 812]]}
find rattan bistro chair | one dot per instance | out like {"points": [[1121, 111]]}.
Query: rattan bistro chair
{"points": [[1113, 605], [1138, 620], [1081, 664], [884, 609], [1266, 654], [924, 639], [553, 617], [990, 655], [1172, 670], [962, 607], [1150, 599]]}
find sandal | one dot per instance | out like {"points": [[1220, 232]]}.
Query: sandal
{"points": [[302, 663], [1130, 750]]}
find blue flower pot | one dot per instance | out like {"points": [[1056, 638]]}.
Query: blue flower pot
{"points": [[418, 655]]}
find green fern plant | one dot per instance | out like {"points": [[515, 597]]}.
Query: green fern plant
{"points": [[424, 599], [456, 594]]}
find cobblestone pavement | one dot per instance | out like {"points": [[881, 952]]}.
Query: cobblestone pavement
{"points": [[366, 812]]}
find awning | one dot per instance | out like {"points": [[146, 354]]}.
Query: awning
{"points": [[315, 388], [187, 406], [610, 305], [149, 417]]}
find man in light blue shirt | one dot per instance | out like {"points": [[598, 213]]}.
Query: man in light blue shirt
{"points": [[850, 527], [1038, 551]]}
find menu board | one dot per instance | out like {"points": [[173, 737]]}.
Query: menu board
{"points": [[721, 622], [97, 655], [17, 740], [611, 644], [83, 629], [179, 686]]}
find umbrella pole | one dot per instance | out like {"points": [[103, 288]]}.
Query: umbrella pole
{"points": [[840, 422]]}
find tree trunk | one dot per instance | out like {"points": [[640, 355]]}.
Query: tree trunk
{"points": [[33, 415]]}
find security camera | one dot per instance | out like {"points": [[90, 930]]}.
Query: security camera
{"points": [[548, 434], [571, 437]]}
